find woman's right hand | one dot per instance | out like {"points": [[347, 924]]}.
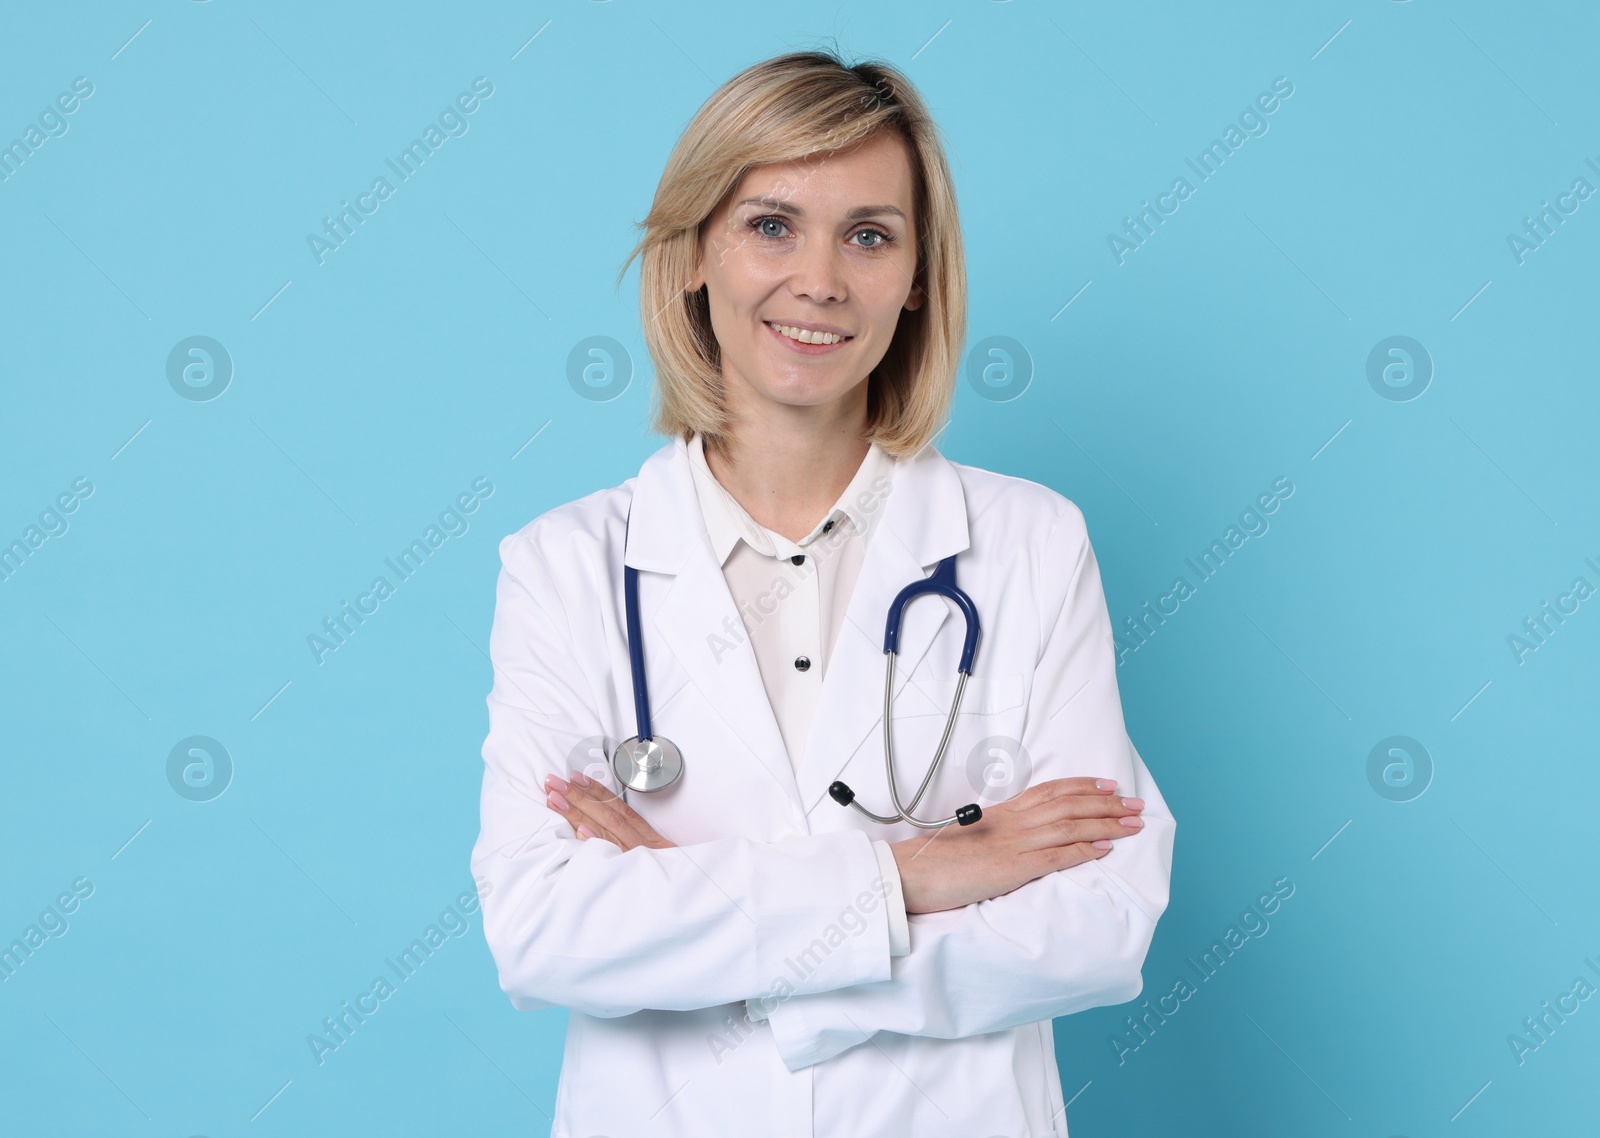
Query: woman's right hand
{"points": [[1054, 825]]}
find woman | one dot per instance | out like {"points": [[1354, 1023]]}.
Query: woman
{"points": [[742, 954]]}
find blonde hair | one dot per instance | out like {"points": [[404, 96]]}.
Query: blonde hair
{"points": [[791, 108]]}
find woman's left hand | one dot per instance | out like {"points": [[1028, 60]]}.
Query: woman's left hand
{"points": [[594, 812]]}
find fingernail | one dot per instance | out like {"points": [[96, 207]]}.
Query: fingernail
{"points": [[1105, 784], [1133, 823], [557, 801], [1133, 803], [555, 782], [580, 778], [583, 832], [1102, 844]]}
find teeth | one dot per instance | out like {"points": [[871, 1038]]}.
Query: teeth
{"points": [[806, 336]]}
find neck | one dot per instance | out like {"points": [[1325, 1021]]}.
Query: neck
{"points": [[788, 473]]}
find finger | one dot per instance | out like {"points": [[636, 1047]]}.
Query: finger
{"points": [[575, 785], [616, 811], [1058, 787], [1066, 832], [1064, 857], [582, 779], [607, 811], [561, 806], [594, 799], [575, 814], [586, 788], [597, 800], [630, 822], [1067, 806], [1037, 863], [1091, 830], [613, 813]]}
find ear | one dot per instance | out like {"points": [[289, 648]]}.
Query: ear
{"points": [[916, 298]]}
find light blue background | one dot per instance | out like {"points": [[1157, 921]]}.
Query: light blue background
{"points": [[370, 390]]}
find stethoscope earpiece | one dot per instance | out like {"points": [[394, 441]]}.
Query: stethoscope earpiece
{"points": [[844, 796]]}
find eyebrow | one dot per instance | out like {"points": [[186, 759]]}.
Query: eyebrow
{"points": [[853, 215]]}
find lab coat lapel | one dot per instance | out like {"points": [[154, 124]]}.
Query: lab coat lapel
{"points": [[696, 620], [925, 520]]}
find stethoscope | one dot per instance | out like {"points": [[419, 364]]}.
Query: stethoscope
{"points": [[650, 762]]}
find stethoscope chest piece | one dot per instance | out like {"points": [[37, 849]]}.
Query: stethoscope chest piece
{"points": [[647, 761], [647, 764]]}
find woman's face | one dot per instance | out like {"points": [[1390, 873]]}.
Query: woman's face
{"points": [[824, 244]]}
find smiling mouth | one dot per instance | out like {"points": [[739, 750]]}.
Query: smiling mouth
{"points": [[806, 336]]}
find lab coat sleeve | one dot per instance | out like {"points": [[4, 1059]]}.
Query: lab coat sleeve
{"points": [[1070, 940], [586, 926], [894, 904], [894, 901]]}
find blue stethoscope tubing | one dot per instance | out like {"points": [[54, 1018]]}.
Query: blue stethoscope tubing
{"points": [[650, 762], [646, 762]]}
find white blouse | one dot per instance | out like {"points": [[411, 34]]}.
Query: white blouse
{"points": [[792, 598]]}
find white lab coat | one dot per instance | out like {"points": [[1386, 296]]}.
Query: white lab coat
{"points": [[773, 890]]}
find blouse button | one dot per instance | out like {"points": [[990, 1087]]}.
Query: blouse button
{"points": [[798, 559], [828, 525], [802, 663]]}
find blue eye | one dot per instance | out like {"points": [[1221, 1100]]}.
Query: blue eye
{"points": [[756, 223]]}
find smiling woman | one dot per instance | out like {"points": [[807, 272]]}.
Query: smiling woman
{"points": [[751, 955], [832, 173], [762, 246]]}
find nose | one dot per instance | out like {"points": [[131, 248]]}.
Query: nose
{"points": [[819, 272]]}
